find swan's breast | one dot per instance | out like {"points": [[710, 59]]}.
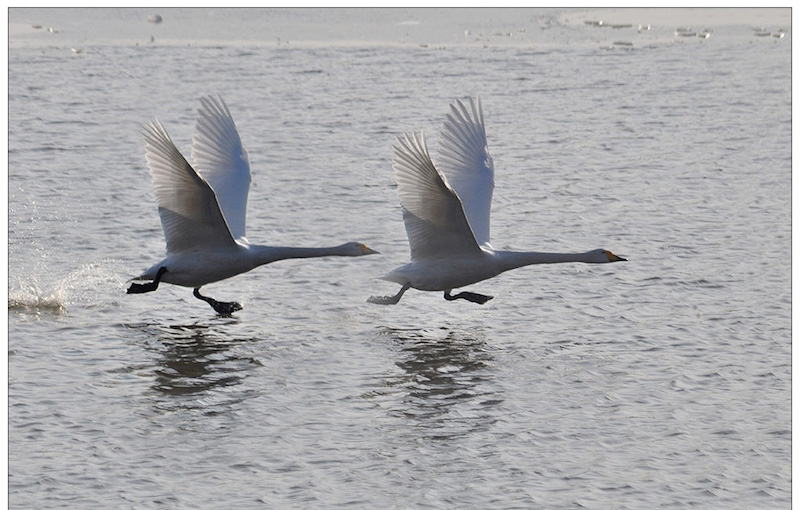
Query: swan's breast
{"points": [[444, 273], [198, 268]]}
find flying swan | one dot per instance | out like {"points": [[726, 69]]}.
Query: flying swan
{"points": [[202, 209], [446, 213]]}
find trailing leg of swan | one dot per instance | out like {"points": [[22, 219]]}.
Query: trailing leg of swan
{"points": [[389, 300], [202, 209], [469, 296], [139, 288], [221, 307], [446, 210]]}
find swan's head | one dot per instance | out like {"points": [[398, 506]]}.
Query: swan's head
{"points": [[601, 256], [357, 249]]}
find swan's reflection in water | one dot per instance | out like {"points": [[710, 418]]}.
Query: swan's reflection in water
{"points": [[198, 365], [448, 386]]}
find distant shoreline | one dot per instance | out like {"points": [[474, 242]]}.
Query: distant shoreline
{"points": [[434, 28]]}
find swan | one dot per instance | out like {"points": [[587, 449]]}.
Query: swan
{"points": [[446, 213], [202, 209]]}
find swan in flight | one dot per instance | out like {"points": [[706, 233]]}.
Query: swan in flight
{"points": [[202, 209], [446, 213]]}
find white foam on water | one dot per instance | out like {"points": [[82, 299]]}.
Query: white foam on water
{"points": [[86, 286]]}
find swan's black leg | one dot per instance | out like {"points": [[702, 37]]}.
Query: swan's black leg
{"points": [[221, 307], [469, 296], [138, 288], [388, 300]]}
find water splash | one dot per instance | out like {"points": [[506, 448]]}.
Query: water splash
{"points": [[29, 298], [85, 286]]}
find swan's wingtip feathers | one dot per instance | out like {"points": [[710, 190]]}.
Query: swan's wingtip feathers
{"points": [[151, 126], [408, 136], [409, 143], [156, 138], [470, 118], [213, 100], [474, 105]]}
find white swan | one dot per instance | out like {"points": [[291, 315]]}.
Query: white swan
{"points": [[202, 209], [446, 213]]}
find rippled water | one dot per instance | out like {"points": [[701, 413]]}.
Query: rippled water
{"points": [[664, 381]]}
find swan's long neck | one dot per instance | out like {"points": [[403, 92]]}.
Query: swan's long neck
{"points": [[267, 254], [508, 260]]}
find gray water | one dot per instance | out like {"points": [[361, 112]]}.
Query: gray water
{"points": [[660, 382]]}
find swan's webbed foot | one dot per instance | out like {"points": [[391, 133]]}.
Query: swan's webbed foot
{"points": [[388, 300], [139, 288], [221, 307], [225, 307], [469, 296], [383, 300]]}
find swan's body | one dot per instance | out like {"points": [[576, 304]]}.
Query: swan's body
{"points": [[450, 273], [446, 211], [203, 209], [200, 267]]}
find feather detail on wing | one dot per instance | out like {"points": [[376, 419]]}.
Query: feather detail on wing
{"points": [[219, 157], [433, 215], [464, 158], [189, 212]]}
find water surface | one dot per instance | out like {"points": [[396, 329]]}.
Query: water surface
{"points": [[661, 382]]}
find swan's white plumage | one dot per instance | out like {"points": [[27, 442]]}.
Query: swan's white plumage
{"points": [[434, 218], [464, 158], [190, 214], [447, 208], [219, 157], [203, 212]]}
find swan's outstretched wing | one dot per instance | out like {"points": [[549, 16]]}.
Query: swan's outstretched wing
{"points": [[189, 212], [434, 219], [464, 158], [219, 157]]}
